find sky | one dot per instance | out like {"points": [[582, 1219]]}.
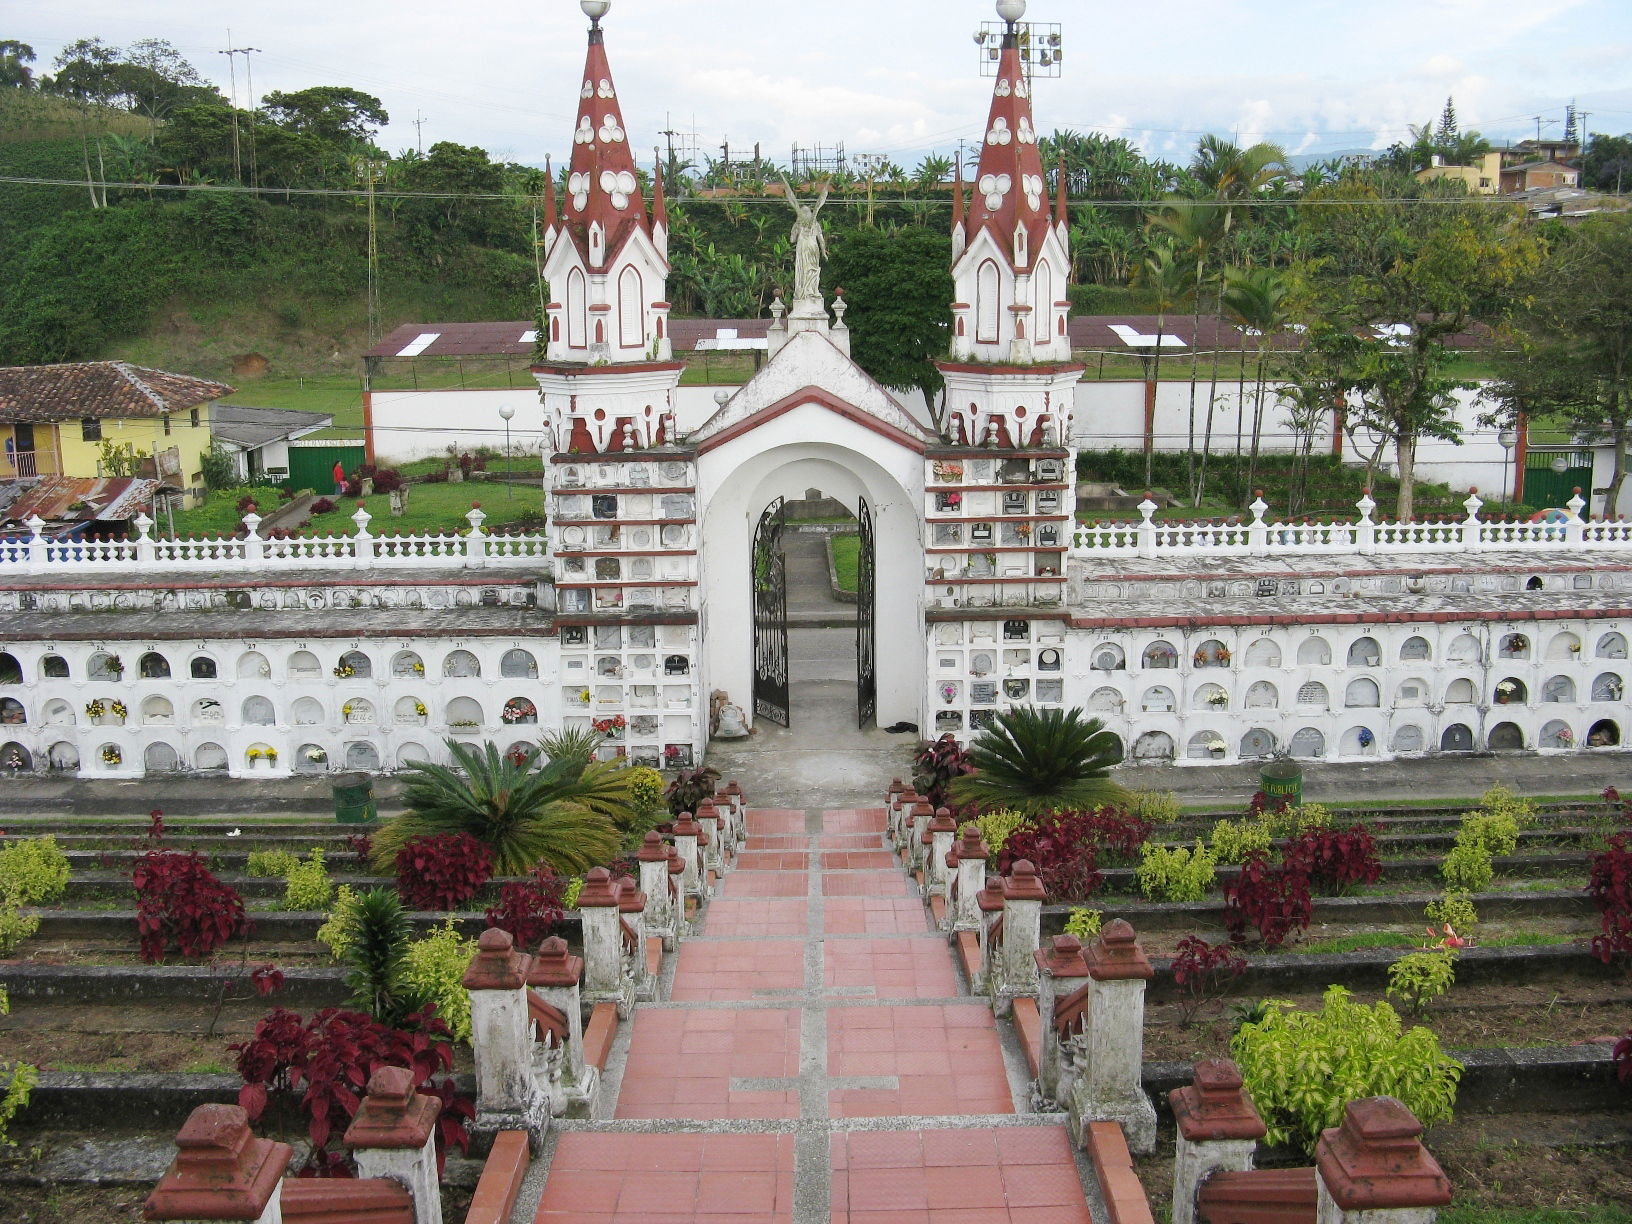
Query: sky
{"points": [[901, 77]]}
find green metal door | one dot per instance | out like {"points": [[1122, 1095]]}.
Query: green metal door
{"points": [[1544, 487], [312, 467]]}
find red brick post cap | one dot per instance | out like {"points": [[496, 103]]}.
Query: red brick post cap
{"points": [[896, 787], [392, 1115], [733, 789], [991, 896], [722, 798], [630, 899], [908, 797], [1023, 884], [555, 966], [685, 826], [943, 822], [677, 865], [653, 849], [497, 965], [221, 1171], [1062, 958], [1116, 955], [1375, 1160], [920, 807], [1214, 1105], [707, 810], [597, 891], [971, 845]]}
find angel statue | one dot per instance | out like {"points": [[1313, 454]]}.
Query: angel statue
{"points": [[809, 245]]}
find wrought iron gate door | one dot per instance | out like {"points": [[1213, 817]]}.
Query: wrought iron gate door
{"points": [[866, 676], [770, 618]]}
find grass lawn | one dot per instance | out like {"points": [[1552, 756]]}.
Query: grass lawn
{"points": [[846, 558], [340, 395], [1537, 1215], [438, 508]]}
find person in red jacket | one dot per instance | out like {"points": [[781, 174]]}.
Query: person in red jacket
{"points": [[339, 479]]}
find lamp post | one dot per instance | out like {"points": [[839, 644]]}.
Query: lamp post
{"points": [[1509, 438], [506, 411]]}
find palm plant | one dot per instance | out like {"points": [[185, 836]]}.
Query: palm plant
{"points": [[1194, 229], [1256, 298], [564, 813], [1033, 761], [1167, 282], [376, 939]]}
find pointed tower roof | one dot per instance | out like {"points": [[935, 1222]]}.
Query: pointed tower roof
{"points": [[602, 184], [660, 207], [552, 217], [1009, 187]]}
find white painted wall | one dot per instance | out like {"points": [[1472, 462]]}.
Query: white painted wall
{"points": [[412, 425]]}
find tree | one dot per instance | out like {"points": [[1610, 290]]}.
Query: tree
{"points": [[15, 58], [1193, 228], [1404, 266], [334, 115], [898, 286], [1256, 299], [454, 171], [1033, 760], [1575, 356], [1607, 163], [561, 814], [1167, 282]]}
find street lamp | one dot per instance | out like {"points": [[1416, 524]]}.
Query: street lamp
{"points": [[1509, 438], [506, 411]]}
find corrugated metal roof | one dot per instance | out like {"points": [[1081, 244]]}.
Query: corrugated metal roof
{"points": [[55, 498], [250, 427]]}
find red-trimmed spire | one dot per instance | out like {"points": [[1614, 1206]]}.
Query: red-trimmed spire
{"points": [[552, 217], [957, 193], [660, 207], [1062, 210], [602, 185], [1009, 188]]}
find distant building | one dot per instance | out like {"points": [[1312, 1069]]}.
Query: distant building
{"points": [[258, 438], [1483, 177], [1528, 176]]}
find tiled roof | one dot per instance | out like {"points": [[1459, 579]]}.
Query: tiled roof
{"points": [[101, 389]]}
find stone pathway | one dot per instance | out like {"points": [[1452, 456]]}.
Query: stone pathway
{"points": [[816, 1059]]}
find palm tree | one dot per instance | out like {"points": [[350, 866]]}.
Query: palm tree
{"points": [[1256, 299], [1166, 281], [1194, 228], [1033, 761], [564, 814]]}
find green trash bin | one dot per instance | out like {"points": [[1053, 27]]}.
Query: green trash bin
{"points": [[1282, 781], [354, 798]]}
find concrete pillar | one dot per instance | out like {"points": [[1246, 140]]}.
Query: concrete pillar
{"points": [[917, 829], [892, 810], [963, 902], [943, 830], [739, 811], [708, 819], [1110, 1090], [221, 1171], [631, 906], [677, 893], [393, 1135], [1373, 1169], [991, 905], [728, 829], [686, 834], [555, 977], [1219, 1131], [1060, 973], [603, 938], [1022, 935], [508, 1095], [658, 919]]}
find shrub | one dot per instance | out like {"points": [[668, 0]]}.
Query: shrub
{"points": [[1177, 874], [1062, 847], [1455, 910], [1502, 801], [1302, 1069], [1261, 803], [335, 934], [1418, 978], [361, 848], [531, 909], [18, 1089], [1117, 834], [388, 480], [1273, 900], [1234, 840], [1083, 922], [179, 902], [645, 792], [1496, 832], [690, 787], [1287, 822], [1040, 760], [272, 863], [441, 871], [1467, 867], [1337, 861], [323, 505], [934, 766], [1203, 971], [1621, 1056], [569, 898], [328, 1060], [15, 927], [1610, 885], [1154, 807], [309, 886], [374, 940], [433, 972], [996, 827], [33, 872]]}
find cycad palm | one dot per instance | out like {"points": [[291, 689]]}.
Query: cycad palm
{"points": [[1033, 761], [564, 814]]}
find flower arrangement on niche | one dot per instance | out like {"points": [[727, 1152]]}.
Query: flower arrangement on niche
{"points": [[112, 755], [1218, 700], [1505, 691], [518, 709], [612, 727], [95, 709], [420, 709], [118, 709], [116, 665], [344, 671], [419, 669], [345, 710], [316, 756], [1564, 737]]}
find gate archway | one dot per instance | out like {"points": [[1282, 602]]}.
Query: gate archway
{"points": [[770, 604]]}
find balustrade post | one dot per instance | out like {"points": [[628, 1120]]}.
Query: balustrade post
{"points": [[1060, 970], [221, 1171], [1473, 531], [708, 818], [556, 978], [393, 1135], [38, 545], [476, 540], [254, 545], [1373, 1169], [1575, 528], [508, 1096], [631, 902], [1258, 530], [144, 539], [942, 829], [1365, 531], [1110, 1090], [603, 938], [739, 812], [990, 904], [686, 834], [658, 920], [1146, 530], [892, 810], [901, 827], [728, 829], [917, 832], [362, 544], [1022, 936], [677, 892], [963, 901], [1219, 1131]]}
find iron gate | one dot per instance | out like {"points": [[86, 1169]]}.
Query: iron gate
{"points": [[770, 618], [866, 676]]}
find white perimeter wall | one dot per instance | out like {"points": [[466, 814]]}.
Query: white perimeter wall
{"points": [[412, 425]]}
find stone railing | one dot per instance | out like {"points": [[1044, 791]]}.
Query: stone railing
{"points": [[474, 549], [1260, 538]]}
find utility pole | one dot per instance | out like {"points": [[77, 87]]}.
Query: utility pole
{"points": [[419, 128], [232, 53], [254, 113], [368, 170]]}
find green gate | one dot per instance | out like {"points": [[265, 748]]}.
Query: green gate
{"points": [[312, 467], [1544, 487]]}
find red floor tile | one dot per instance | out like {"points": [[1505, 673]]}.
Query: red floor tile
{"points": [[866, 884], [774, 821], [891, 968], [946, 1060], [735, 971], [874, 916], [740, 884], [681, 1064], [691, 1179], [858, 860], [853, 820], [757, 916]]}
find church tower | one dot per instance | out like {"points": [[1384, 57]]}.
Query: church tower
{"points": [[622, 491]]}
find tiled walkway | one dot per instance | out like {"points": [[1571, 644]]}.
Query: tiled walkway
{"points": [[815, 1061]]}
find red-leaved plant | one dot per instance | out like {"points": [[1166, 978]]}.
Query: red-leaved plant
{"points": [[1061, 846], [1203, 971], [935, 766], [328, 1060], [179, 902], [441, 871], [267, 978], [1610, 885], [1273, 900], [1261, 803], [361, 846], [1336, 861], [1621, 1055], [531, 909]]}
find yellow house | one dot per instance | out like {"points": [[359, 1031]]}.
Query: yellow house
{"points": [[1484, 177], [106, 418]]}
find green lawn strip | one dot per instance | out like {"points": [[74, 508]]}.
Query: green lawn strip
{"points": [[432, 509], [846, 559], [1538, 1215], [1402, 939]]}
